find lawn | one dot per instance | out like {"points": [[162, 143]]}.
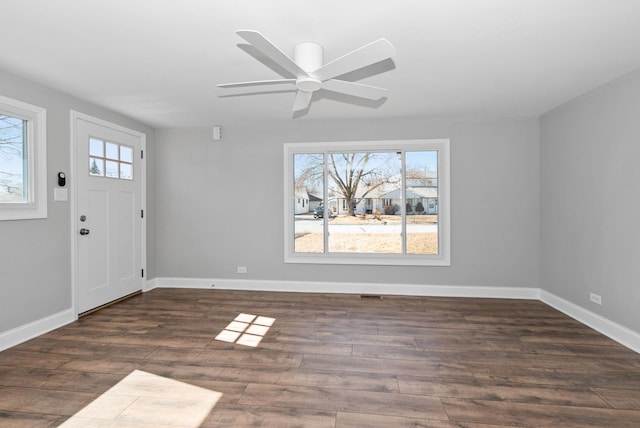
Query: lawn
{"points": [[417, 243]]}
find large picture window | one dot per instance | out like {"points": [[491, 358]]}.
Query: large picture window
{"points": [[23, 193], [371, 202]]}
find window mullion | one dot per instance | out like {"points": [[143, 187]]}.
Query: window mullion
{"points": [[403, 207], [327, 206], [27, 171]]}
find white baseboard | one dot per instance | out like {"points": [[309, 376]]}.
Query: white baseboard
{"points": [[150, 285], [352, 288], [612, 330], [617, 332], [36, 328]]}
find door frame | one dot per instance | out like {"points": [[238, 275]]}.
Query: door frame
{"points": [[73, 188]]}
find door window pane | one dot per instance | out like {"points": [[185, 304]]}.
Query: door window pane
{"points": [[126, 154], [96, 147], [96, 167], [111, 169], [112, 151], [126, 171]]}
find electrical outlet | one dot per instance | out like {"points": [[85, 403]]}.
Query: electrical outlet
{"points": [[595, 298], [242, 269]]}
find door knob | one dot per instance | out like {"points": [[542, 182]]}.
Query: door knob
{"points": [[84, 231]]}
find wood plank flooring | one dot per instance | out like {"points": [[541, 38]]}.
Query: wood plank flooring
{"points": [[334, 360]]}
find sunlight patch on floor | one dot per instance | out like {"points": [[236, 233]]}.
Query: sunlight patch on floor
{"points": [[144, 400], [246, 329]]}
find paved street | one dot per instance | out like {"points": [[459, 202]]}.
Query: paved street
{"points": [[310, 225]]}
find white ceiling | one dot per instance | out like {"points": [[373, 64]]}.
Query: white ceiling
{"points": [[158, 61]]}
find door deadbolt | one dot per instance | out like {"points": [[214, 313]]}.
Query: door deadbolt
{"points": [[83, 218]]}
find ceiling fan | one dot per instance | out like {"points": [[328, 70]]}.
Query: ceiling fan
{"points": [[312, 75]]}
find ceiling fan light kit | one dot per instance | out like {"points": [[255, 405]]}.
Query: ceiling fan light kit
{"points": [[311, 74]]}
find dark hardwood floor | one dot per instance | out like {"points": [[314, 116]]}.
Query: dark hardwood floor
{"points": [[333, 360]]}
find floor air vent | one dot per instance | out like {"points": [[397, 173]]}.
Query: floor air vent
{"points": [[371, 296]]}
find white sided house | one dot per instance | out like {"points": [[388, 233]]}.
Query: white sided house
{"points": [[421, 197], [301, 205]]}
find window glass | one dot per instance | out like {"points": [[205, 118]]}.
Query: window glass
{"points": [[126, 154], [13, 152], [23, 160], [360, 180], [96, 167], [112, 151], [111, 169], [309, 221], [421, 196], [126, 171], [96, 147]]}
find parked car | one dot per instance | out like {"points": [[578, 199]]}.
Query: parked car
{"points": [[319, 212]]}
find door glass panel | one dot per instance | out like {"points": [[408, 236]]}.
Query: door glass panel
{"points": [[96, 147], [112, 151], [112, 169], [126, 154], [96, 167], [421, 195], [126, 171]]}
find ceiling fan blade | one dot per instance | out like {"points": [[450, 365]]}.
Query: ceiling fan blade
{"points": [[366, 55], [255, 83], [355, 89], [261, 43], [302, 101]]}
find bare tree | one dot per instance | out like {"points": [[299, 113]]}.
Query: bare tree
{"points": [[356, 176], [309, 171], [11, 152], [11, 136], [8, 182], [353, 176]]}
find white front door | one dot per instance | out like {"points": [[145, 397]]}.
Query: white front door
{"points": [[109, 218]]}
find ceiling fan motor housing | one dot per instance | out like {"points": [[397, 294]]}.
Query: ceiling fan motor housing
{"points": [[309, 56]]}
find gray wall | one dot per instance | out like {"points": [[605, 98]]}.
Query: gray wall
{"points": [[590, 203], [220, 203], [35, 255], [551, 204]]}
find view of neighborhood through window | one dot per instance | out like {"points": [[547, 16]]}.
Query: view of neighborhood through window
{"points": [[23, 160], [13, 160], [366, 202], [110, 160]]}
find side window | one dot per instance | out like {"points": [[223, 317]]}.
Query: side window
{"points": [[23, 160]]}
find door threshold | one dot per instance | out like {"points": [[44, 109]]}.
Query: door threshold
{"points": [[113, 302]]}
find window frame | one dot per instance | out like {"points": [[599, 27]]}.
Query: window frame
{"points": [[443, 258], [36, 205]]}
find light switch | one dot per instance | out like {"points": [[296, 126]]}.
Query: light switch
{"points": [[60, 194]]}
